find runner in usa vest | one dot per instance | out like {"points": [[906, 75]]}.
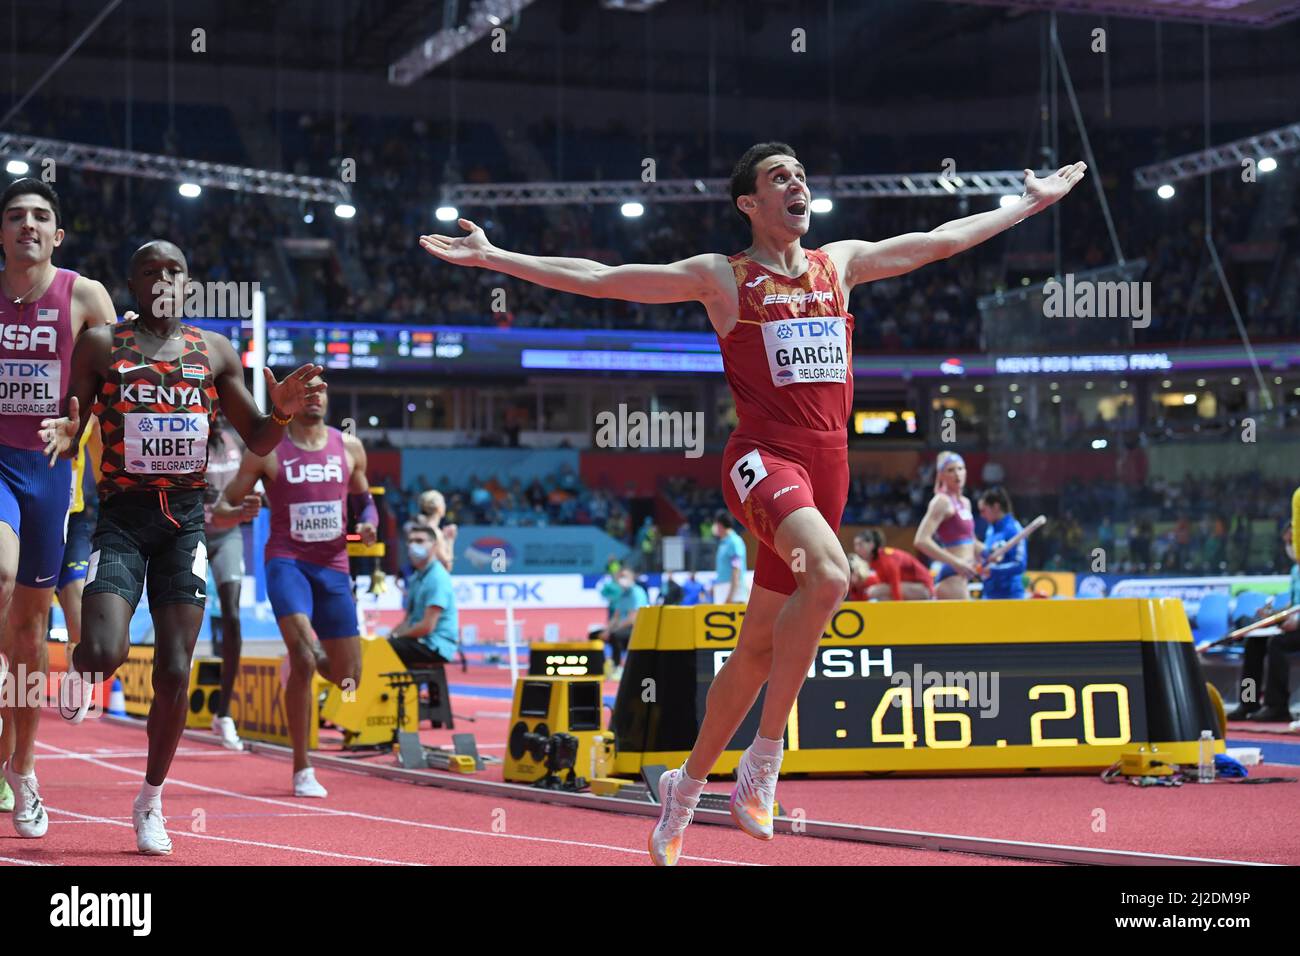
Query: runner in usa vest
{"points": [[309, 504], [35, 355], [315, 479], [42, 311], [781, 315]]}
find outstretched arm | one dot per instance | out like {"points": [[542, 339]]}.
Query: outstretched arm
{"points": [[859, 261], [260, 432], [697, 279]]}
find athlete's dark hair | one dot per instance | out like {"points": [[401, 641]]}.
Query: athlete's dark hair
{"points": [[874, 535], [30, 187], [723, 518], [997, 496], [744, 177]]}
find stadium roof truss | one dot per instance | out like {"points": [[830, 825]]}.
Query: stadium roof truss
{"points": [[885, 185], [264, 182], [1285, 139], [1261, 14], [483, 17]]}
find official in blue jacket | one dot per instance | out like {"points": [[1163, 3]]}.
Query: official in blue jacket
{"points": [[1006, 577]]}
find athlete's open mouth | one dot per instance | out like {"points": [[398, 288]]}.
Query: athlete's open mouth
{"points": [[797, 208]]}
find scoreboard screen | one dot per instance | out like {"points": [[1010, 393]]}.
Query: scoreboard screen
{"points": [[347, 346], [412, 348]]}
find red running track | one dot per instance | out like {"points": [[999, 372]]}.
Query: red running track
{"points": [[238, 809]]}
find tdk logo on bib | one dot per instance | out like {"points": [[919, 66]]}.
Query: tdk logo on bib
{"points": [[311, 521], [29, 387], [806, 350], [165, 444]]}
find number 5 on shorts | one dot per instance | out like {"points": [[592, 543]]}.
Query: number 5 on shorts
{"points": [[748, 472]]}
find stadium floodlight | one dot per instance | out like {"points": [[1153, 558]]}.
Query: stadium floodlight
{"points": [[1267, 145], [632, 209], [1008, 199], [127, 162], [871, 186], [345, 210], [446, 214], [433, 51], [821, 204], [16, 167], [190, 190], [1267, 164], [1165, 191]]}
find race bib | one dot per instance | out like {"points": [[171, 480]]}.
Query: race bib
{"points": [[807, 350], [747, 473], [315, 520], [30, 386], [166, 443]]}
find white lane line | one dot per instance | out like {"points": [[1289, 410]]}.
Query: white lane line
{"points": [[211, 816], [329, 811], [17, 862], [118, 754], [109, 821]]}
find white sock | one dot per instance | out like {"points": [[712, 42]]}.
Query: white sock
{"points": [[687, 786], [762, 747], [150, 796]]}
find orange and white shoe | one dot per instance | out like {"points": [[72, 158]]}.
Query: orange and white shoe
{"points": [[755, 793], [676, 816]]}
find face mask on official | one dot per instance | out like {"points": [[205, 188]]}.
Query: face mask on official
{"points": [[419, 553]]}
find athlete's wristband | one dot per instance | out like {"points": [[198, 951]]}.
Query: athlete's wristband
{"points": [[362, 504], [275, 417]]}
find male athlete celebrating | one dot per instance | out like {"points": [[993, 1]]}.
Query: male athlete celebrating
{"points": [[42, 311], [313, 478], [781, 315], [155, 382]]}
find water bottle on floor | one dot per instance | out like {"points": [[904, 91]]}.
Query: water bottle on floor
{"points": [[1205, 768]]}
